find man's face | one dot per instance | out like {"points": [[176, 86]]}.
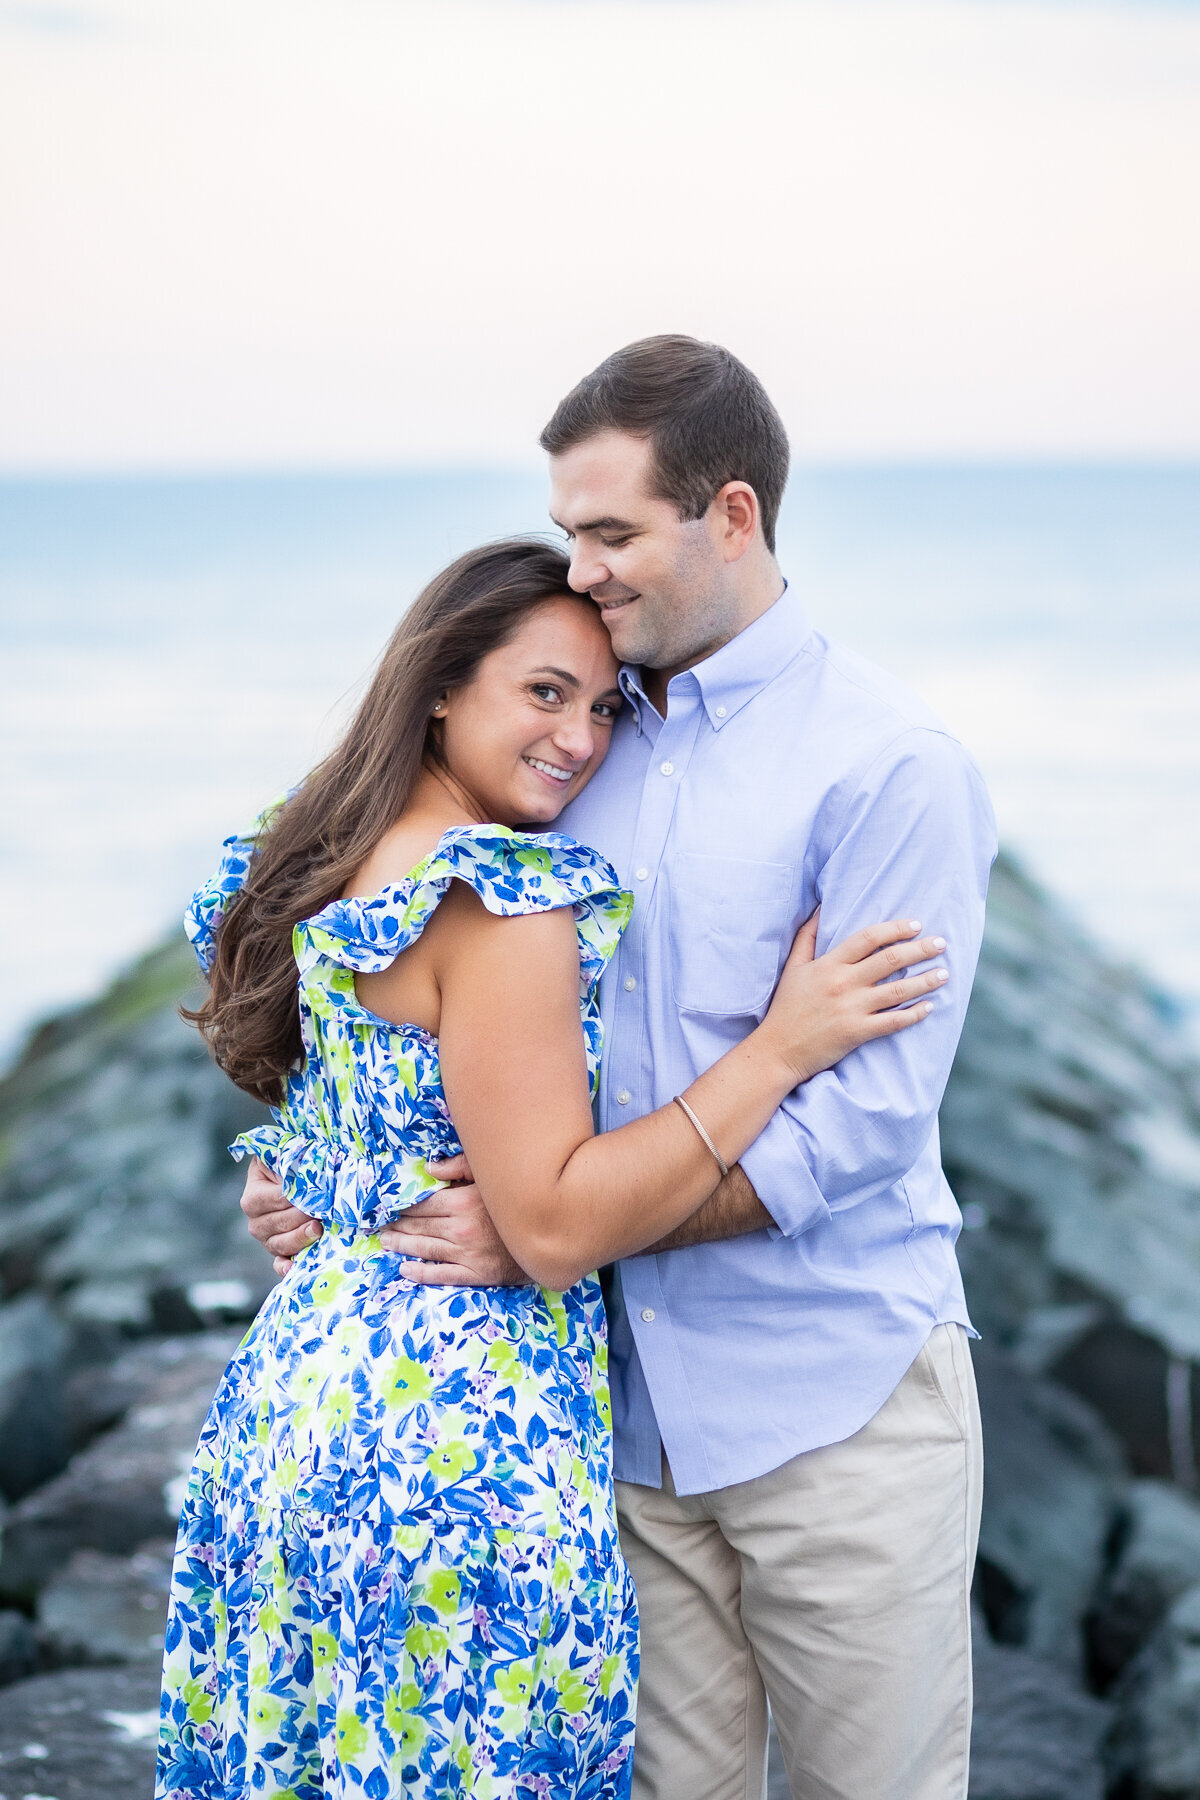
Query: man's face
{"points": [[661, 582]]}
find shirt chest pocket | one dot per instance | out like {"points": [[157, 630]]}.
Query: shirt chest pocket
{"points": [[730, 927]]}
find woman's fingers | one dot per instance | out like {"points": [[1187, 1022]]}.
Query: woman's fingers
{"points": [[897, 993], [886, 1024], [870, 939], [804, 944], [882, 963]]}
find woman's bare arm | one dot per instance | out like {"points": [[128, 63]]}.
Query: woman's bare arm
{"points": [[515, 1078]]}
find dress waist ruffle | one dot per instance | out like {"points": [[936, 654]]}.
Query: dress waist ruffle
{"points": [[338, 1183]]}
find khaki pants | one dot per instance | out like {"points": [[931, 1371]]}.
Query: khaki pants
{"points": [[838, 1587]]}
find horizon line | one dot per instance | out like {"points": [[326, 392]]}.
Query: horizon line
{"points": [[943, 463]]}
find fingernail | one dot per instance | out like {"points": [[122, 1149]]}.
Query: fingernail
{"points": [[938, 943], [941, 974], [914, 924], [312, 1231]]}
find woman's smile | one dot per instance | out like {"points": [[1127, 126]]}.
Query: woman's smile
{"points": [[553, 772]]}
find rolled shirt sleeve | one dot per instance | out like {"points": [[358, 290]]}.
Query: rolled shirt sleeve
{"points": [[916, 840]]}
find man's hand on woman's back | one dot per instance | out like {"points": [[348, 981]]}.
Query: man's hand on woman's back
{"points": [[447, 1241], [282, 1229]]}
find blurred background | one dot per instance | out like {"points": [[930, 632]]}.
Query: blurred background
{"points": [[288, 292]]}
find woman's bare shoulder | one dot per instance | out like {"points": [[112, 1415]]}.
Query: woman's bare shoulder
{"points": [[401, 850]]}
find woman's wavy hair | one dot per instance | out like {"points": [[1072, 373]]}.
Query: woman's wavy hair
{"points": [[328, 827]]}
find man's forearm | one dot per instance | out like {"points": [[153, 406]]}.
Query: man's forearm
{"points": [[732, 1210]]}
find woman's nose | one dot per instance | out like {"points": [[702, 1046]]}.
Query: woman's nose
{"points": [[574, 736]]}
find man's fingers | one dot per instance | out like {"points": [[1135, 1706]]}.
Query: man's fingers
{"points": [[290, 1243], [440, 1274], [262, 1193], [416, 1224], [423, 1249], [450, 1168], [275, 1224], [282, 1265], [447, 1203]]}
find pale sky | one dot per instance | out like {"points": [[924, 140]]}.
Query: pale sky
{"points": [[354, 233]]}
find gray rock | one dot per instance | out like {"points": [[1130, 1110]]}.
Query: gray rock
{"points": [[1071, 1134], [18, 1648], [1036, 1734], [103, 1609], [80, 1734], [1154, 1753], [100, 1394], [1053, 1478], [1157, 1558], [34, 1439], [116, 1176], [126, 1487]]}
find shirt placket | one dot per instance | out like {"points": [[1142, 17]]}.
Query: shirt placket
{"points": [[628, 1065], [627, 1088]]}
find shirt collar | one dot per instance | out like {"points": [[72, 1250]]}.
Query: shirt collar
{"points": [[739, 670]]}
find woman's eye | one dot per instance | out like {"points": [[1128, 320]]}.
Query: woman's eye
{"points": [[545, 690], [606, 710]]}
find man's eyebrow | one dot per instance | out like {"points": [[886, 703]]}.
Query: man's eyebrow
{"points": [[608, 523]]}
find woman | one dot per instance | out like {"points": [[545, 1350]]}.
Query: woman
{"points": [[398, 1571]]}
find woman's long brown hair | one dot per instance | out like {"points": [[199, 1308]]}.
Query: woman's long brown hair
{"points": [[333, 821]]}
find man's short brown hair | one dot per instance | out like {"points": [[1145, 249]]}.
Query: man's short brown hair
{"points": [[707, 418]]}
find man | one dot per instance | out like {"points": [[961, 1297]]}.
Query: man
{"points": [[797, 1437]]}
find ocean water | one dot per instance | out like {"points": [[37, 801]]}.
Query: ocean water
{"points": [[175, 651]]}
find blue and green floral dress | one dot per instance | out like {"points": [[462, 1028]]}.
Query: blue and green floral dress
{"points": [[398, 1571]]}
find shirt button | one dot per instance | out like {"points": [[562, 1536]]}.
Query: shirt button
{"points": [[648, 1314], [641, 874], [630, 983], [623, 1097], [667, 768], [720, 712]]}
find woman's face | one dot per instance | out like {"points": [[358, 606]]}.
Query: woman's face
{"points": [[533, 726]]}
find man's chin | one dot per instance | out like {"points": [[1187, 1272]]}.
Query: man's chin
{"points": [[627, 641]]}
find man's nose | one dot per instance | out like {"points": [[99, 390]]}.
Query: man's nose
{"points": [[587, 571]]}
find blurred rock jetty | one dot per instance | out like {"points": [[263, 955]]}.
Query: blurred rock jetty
{"points": [[1071, 1133]]}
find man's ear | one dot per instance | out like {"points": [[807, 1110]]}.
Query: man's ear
{"points": [[740, 517]]}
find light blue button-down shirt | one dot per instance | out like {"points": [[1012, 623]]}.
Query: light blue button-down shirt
{"points": [[787, 773]]}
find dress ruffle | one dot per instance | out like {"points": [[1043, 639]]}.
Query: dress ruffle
{"points": [[512, 872], [203, 917]]}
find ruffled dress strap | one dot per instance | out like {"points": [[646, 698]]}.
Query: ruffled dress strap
{"points": [[512, 872], [203, 917]]}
